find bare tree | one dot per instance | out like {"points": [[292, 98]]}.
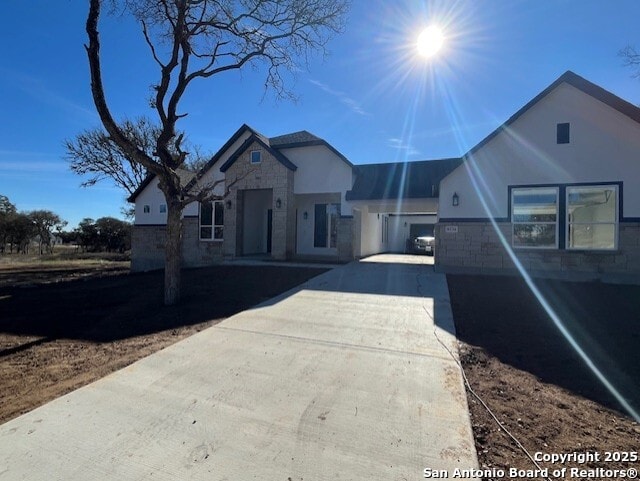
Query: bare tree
{"points": [[44, 223], [95, 154], [191, 40], [631, 58]]}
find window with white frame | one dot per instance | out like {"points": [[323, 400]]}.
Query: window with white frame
{"points": [[163, 208], [534, 217], [256, 156], [592, 217], [146, 209], [212, 220]]}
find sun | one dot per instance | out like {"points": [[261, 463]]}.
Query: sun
{"points": [[430, 41]]}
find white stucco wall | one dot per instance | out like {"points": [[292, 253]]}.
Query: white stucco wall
{"points": [[153, 196], [605, 146], [371, 232], [370, 220], [320, 171]]}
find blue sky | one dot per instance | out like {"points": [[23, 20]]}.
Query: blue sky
{"points": [[372, 98]]}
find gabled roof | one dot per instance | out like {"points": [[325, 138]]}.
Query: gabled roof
{"points": [[256, 138], [400, 180], [578, 82], [195, 176], [186, 178], [293, 138], [274, 145], [304, 139], [205, 168]]}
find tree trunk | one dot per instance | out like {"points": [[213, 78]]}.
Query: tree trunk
{"points": [[173, 255]]}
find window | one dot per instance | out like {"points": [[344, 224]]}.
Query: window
{"points": [[256, 156], [163, 208], [146, 209], [563, 133], [592, 217], [534, 216], [325, 226], [212, 220], [385, 229], [334, 213]]}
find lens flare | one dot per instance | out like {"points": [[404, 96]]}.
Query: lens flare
{"points": [[430, 41]]}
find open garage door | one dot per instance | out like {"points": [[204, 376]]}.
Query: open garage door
{"points": [[407, 226]]}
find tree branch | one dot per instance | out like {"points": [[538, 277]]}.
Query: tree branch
{"points": [[97, 90]]}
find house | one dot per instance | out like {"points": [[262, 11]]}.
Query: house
{"points": [[394, 202], [290, 197], [555, 190]]}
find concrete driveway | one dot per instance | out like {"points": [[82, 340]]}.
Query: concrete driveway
{"points": [[341, 378]]}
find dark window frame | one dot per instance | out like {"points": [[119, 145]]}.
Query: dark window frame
{"points": [[216, 226], [563, 133], [562, 210]]}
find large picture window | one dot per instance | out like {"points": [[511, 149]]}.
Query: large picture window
{"points": [[534, 215], [592, 217], [212, 220]]}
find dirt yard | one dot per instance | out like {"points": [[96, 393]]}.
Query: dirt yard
{"points": [[66, 324], [528, 374]]}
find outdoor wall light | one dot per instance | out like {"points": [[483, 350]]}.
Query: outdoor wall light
{"points": [[228, 204], [455, 200], [278, 203], [305, 216]]}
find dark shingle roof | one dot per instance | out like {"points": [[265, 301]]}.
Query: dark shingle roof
{"points": [[400, 180], [293, 138], [303, 139]]}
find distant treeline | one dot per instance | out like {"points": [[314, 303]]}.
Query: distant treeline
{"points": [[105, 234], [43, 229]]}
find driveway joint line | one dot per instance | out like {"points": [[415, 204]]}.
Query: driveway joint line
{"points": [[339, 345]]}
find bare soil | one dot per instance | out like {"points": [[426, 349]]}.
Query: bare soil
{"points": [[66, 324], [530, 376]]}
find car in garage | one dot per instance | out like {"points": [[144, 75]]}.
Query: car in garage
{"points": [[424, 244], [421, 239]]}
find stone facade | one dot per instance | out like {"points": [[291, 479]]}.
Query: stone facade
{"points": [[346, 228], [268, 174], [148, 241], [147, 247], [477, 248], [267, 185], [196, 252]]}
